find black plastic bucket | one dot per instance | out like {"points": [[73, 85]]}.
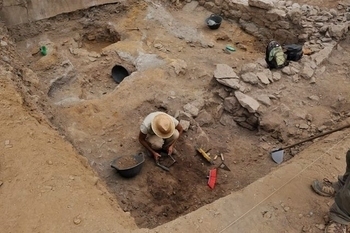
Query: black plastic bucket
{"points": [[119, 73], [129, 171], [214, 21]]}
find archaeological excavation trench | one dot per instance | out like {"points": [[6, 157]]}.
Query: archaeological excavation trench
{"points": [[231, 103]]}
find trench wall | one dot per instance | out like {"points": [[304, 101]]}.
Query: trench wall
{"points": [[14, 12]]}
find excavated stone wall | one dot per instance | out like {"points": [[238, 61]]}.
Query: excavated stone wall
{"points": [[317, 29], [284, 21]]}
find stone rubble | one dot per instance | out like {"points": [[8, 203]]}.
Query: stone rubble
{"points": [[282, 20], [318, 30]]}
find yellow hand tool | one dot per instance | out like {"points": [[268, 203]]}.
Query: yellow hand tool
{"points": [[205, 155]]}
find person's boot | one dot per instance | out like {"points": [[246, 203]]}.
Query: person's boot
{"points": [[325, 188], [334, 227]]}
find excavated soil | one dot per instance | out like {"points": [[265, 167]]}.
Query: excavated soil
{"points": [[101, 119]]}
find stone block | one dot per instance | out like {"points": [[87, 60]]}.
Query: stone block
{"points": [[262, 4], [247, 102], [250, 77], [275, 14], [338, 31], [323, 54], [224, 71], [185, 124], [231, 104]]}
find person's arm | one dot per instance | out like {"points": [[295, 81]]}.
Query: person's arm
{"points": [[179, 128], [142, 140], [171, 147]]}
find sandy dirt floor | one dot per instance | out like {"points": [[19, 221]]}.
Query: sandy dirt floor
{"points": [[81, 109]]}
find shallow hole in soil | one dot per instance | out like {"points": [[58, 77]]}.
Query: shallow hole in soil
{"points": [[98, 38]]}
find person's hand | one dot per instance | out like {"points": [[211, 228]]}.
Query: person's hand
{"points": [[156, 156], [170, 150]]}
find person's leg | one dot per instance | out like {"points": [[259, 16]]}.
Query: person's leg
{"points": [[343, 178], [155, 142], [339, 212], [170, 141], [329, 189]]}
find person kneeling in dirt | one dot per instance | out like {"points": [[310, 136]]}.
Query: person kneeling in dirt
{"points": [[339, 212], [159, 131]]}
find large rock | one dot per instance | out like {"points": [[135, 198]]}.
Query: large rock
{"points": [[185, 124], [224, 71], [262, 4], [295, 15], [307, 72], [231, 104], [249, 67], [225, 75], [249, 27], [265, 76], [198, 103], [264, 99], [275, 15], [250, 77], [247, 102], [288, 70], [276, 76], [232, 83], [191, 109], [204, 118], [323, 54], [338, 31]]}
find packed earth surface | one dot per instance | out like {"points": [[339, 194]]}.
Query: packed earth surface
{"points": [[171, 56]]}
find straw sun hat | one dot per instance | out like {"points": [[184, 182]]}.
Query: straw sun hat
{"points": [[163, 126]]}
